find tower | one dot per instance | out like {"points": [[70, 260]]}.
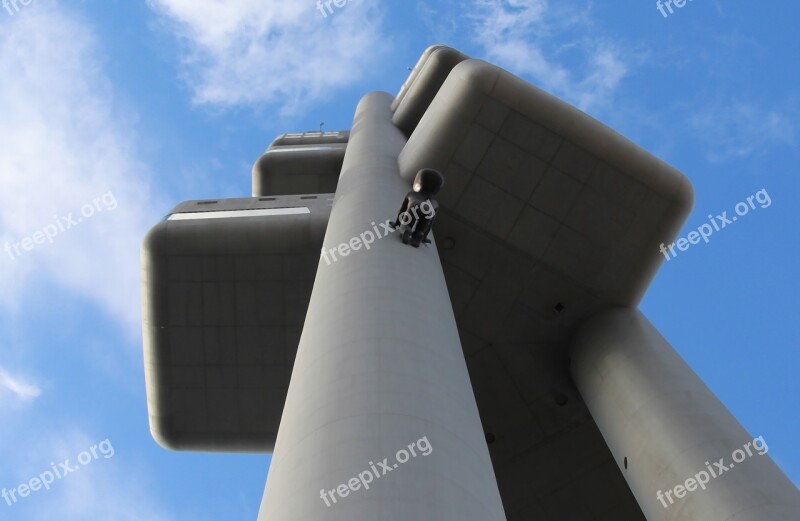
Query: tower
{"points": [[503, 372]]}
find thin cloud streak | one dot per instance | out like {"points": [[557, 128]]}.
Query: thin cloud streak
{"points": [[554, 46], [738, 129], [23, 390], [519, 35]]}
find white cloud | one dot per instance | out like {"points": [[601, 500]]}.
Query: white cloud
{"points": [[21, 389], [65, 143], [241, 52], [737, 129]]}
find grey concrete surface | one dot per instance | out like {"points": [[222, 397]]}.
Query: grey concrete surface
{"points": [[222, 311], [378, 367], [300, 163], [657, 416], [423, 84], [413, 75], [550, 180]]}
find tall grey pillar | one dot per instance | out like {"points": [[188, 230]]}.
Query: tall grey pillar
{"points": [[379, 367], [657, 415]]}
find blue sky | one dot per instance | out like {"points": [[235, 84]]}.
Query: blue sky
{"points": [[132, 106]]}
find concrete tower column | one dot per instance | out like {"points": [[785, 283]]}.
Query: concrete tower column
{"points": [[670, 431], [379, 368]]}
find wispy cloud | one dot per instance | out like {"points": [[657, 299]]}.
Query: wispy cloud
{"points": [[241, 52], [555, 46], [738, 129], [583, 67], [117, 487], [66, 143], [20, 388]]}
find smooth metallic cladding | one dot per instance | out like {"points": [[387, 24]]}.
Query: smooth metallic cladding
{"points": [[300, 163]]}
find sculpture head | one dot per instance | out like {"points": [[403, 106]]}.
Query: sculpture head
{"points": [[428, 181]]}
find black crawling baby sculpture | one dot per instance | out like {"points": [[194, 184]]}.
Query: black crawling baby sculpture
{"points": [[418, 211]]}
